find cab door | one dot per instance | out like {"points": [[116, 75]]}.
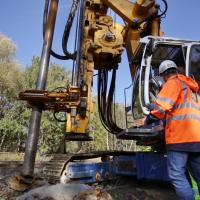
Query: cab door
{"points": [[150, 82], [193, 62]]}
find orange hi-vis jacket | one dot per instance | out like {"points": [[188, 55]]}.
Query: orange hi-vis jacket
{"points": [[176, 103]]}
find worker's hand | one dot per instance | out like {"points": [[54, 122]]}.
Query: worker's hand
{"points": [[144, 120], [140, 122], [150, 119]]}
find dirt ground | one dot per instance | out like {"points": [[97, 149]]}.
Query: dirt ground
{"points": [[143, 190], [121, 189], [9, 169]]}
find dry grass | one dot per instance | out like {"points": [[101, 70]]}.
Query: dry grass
{"points": [[12, 156]]}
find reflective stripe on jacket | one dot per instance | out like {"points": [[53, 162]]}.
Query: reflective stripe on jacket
{"points": [[176, 103]]}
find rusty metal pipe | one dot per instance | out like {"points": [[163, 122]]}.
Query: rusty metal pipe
{"points": [[49, 30], [34, 125]]}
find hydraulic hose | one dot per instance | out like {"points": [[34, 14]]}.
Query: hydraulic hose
{"points": [[165, 10], [105, 104], [66, 33], [67, 30]]}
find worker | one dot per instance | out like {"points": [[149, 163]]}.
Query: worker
{"points": [[175, 104]]}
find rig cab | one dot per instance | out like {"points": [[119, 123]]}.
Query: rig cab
{"points": [[147, 82]]}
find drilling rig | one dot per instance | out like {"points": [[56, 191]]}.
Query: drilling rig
{"points": [[100, 41]]}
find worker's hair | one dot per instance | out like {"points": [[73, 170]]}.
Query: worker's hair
{"points": [[170, 71]]}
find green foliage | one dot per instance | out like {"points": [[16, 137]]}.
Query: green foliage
{"points": [[14, 124], [98, 131], [31, 73], [14, 128], [57, 77], [3, 198], [10, 76], [51, 132], [10, 73], [7, 48], [195, 188]]}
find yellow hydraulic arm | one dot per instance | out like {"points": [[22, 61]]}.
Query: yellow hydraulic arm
{"points": [[104, 41], [102, 45]]}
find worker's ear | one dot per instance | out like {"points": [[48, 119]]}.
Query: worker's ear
{"points": [[165, 77]]}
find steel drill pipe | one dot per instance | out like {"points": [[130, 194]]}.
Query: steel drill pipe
{"points": [[34, 125]]}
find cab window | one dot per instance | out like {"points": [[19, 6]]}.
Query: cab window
{"points": [[194, 66]]}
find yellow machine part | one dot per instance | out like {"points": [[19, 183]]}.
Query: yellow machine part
{"points": [[104, 41]]}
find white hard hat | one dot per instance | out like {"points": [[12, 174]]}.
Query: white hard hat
{"points": [[165, 65]]}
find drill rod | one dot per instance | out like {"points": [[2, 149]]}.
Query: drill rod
{"points": [[34, 125]]}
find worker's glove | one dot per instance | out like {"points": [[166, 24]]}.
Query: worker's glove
{"points": [[150, 106], [150, 119]]}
